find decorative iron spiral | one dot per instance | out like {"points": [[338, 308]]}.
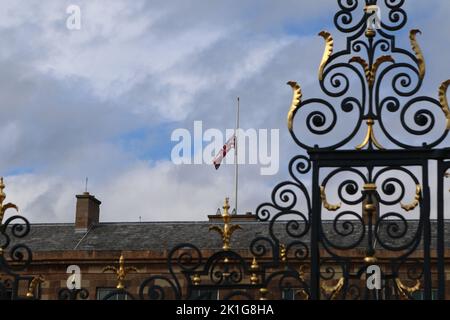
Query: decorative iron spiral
{"points": [[74, 294]]}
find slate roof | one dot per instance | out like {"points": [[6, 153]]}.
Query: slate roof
{"points": [[160, 236]]}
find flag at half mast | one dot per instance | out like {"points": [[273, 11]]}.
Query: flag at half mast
{"points": [[230, 144]]}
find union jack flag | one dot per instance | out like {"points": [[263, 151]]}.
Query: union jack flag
{"points": [[231, 143]]}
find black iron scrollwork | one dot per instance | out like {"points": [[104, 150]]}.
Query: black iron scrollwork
{"points": [[369, 192], [372, 87], [354, 78], [73, 294], [185, 258]]}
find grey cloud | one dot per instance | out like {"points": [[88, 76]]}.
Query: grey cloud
{"points": [[69, 96]]}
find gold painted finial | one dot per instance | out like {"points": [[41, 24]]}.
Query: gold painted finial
{"points": [[34, 283], [283, 253], [196, 280], [370, 137], [254, 268], [228, 229], [370, 187], [7, 206], [254, 265], [370, 259], [370, 33], [264, 292], [121, 272], [226, 209]]}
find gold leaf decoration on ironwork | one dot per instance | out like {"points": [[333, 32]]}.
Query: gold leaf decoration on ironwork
{"points": [[326, 204], [121, 272], [196, 280], [419, 55], [33, 285], [264, 292], [302, 294], [370, 137], [444, 102], [302, 273], [228, 229], [363, 64], [333, 291], [7, 206], [283, 253], [328, 51], [296, 101], [254, 279], [377, 64], [411, 206], [404, 290], [370, 72]]}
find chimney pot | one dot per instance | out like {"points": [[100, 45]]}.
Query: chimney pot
{"points": [[87, 212]]}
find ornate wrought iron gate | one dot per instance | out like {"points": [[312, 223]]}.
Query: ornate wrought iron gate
{"points": [[376, 211], [380, 184]]}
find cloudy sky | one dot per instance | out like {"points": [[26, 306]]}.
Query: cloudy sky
{"points": [[102, 102]]}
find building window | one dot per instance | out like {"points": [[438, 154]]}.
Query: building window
{"points": [[103, 292], [293, 294], [205, 294], [420, 295]]}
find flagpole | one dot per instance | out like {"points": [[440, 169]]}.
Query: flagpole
{"points": [[236, 167]]}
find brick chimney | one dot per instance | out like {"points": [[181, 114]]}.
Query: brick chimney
{"points": [[87, 212]]}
